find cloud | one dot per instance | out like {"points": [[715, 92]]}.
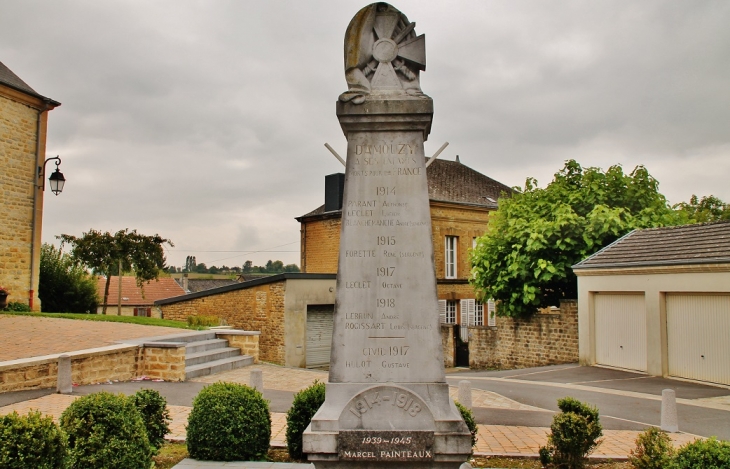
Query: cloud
{"points": [[205, 121]]}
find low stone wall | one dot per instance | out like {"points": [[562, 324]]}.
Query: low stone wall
{"points": [[115, 362], [246, 341], [157, 360], [544, 339], [447, 342], [163, 361]]}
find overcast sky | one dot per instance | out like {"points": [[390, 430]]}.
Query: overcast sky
{"points": [[204, 121]]}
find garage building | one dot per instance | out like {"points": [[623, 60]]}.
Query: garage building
{"points": [[658, 301]]}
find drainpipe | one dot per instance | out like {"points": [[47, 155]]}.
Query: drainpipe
{"points": [[37, 194]]}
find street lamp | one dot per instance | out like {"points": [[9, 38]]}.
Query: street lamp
{"points": [[56, 180]]}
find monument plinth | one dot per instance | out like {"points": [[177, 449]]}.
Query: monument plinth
{"points": [[387, 401]]}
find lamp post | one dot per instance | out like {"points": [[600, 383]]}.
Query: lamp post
{"points": [[56, 180]]}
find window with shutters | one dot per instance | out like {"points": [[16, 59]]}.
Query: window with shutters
{"points": [[450, 256]]}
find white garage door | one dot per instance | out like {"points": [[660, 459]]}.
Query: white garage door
{"points": [[620, 331], [698, 337], [319, 335]]}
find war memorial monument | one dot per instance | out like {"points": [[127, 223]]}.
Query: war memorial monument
{"points": [[387, 401]]}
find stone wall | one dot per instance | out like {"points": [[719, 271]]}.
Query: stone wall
{"points": [[18, 128], [115, 362], [447, 342], [545, 339], [257, 308], [166, 363]]}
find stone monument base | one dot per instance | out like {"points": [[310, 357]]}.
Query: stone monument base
{"points": [[387, 425]]}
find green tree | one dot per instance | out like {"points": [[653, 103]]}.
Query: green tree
{"points": [[189, 264], [291, 268], [524, 260], [707, 209], [63, 285], [201, 268], [247, 267], [105, 253]]}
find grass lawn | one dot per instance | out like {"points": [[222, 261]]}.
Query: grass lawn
{"points": [[110, 318]]}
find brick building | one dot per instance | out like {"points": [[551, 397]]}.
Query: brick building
{"points": [[461, 200], [23, 123]]}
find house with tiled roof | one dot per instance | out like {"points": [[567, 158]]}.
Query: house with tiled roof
{"points": [[23, 124], [136, 301], [658, 301], [460, 200]]}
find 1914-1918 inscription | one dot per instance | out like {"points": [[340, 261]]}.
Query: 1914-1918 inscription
{"points": [[386, 445]]}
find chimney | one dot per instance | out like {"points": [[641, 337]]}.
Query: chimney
{"points": [[334, 187], [185, 283]]}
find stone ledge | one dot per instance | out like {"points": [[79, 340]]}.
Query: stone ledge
{"points": [[163, 344], [78, 354], [237, 332]]}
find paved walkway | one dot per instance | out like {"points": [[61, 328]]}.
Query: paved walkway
{"points": [[492, 439], [27, 336]]}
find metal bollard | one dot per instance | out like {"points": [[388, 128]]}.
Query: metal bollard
{"points": [[465, 393], [257, 380], [669, 411], [64, 383]]}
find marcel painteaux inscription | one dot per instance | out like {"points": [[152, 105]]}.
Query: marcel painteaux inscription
{"points": [[386, 445]]}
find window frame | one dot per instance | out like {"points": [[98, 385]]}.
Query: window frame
{"points": [[451, 244]]}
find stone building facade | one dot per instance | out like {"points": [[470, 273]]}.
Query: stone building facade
{"points": [[460, 200], [23, 124]]}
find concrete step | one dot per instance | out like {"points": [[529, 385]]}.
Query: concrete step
{"points": [[203, 345], [217, 366], [207, 356]]}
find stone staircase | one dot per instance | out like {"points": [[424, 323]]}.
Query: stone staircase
{"points": [[207, 355], [204, 353]]}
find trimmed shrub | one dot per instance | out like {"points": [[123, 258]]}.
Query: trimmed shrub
{"points": [[229, 422], [31, 440], [703, 454], [106, 430], [306, 403], [153, 408], [468, 417], [574, 435], [653, 450]]}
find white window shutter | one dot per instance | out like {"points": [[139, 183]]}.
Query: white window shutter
{"points": [[442, 311], [491, 310], [464, 307], [472, 312]]}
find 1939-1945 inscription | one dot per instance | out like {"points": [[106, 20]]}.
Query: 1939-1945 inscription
{"points": [[371, 445]]}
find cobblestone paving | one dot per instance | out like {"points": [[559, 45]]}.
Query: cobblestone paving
{"points": [[27, 336]]}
